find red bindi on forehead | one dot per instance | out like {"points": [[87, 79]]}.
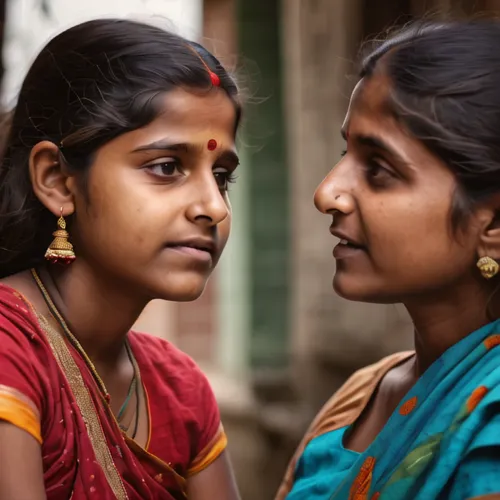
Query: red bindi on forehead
{"points": [[212, 144]]}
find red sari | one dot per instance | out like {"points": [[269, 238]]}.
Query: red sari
{"points": [[47, 390]]}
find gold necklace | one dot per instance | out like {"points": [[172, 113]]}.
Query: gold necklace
{"points": [[76, 344]]}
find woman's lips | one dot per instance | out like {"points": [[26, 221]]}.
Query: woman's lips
{"points": [[344, 250]]}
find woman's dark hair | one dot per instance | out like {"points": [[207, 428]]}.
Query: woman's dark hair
{"points": [[445, 81], [89, 85]]}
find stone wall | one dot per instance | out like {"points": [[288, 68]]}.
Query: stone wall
{"points": [[330, 337]]}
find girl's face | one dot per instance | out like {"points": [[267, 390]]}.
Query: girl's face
{"points": [[391, 202], [155, 215]]}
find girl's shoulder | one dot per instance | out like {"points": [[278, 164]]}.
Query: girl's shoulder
{"points": [[18, 318], [181, 402], [160, 354], [169, 370]]}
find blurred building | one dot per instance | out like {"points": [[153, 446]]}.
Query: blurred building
{"points": [[298, 341], [270, 333]]}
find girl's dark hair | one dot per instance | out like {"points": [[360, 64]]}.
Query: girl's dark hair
{"points": [[446, 91], [89, 85]]}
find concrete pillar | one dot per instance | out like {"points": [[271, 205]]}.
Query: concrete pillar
{"points": [[440, 8], [492, 6], [233, 305]]}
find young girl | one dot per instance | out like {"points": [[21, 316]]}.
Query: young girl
{"points": [[415, 203], [113, 192]]}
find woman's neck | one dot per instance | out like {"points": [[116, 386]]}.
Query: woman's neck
{"points": [[445, 318], [98, 311]]}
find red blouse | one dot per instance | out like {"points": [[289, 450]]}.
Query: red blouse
{"points": [[47, 390]]}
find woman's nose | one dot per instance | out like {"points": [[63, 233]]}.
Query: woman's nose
{"points": [[333, 194]]}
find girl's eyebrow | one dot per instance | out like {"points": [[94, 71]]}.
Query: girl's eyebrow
{"points": [[163, 144]]}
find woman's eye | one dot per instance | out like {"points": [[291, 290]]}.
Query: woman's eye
{"points": [[165, 169], [376, 172], [223, 178]]}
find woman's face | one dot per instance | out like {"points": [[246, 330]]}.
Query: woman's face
{"points": [[391, 202], [156, 215]]}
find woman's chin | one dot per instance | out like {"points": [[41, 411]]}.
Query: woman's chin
{"points": [[346, 292], [357, 289]]}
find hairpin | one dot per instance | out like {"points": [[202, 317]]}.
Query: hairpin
{"points": [[214, 78]]}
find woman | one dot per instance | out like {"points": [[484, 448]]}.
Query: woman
{"points": [[122, 144], [415, 202]]}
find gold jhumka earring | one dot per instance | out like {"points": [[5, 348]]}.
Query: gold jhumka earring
{"points": [[60, 251]]}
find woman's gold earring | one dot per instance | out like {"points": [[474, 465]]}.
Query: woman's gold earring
{"points": [[60, 251], [488, 267]]}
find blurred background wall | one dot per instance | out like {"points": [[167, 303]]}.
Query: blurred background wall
{"points": [[269, 332]]}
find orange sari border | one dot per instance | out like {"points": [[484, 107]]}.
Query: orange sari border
{"points": [[210, 453], [20, 411], [491, 496]]}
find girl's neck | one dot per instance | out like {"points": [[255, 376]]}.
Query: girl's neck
{"points": [[98, 311]]}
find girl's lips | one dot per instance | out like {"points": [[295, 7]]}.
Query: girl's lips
{"points": [[193, 252]]}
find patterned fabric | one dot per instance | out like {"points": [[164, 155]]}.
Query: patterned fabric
{"points": [[37, 395], [442, 441]]}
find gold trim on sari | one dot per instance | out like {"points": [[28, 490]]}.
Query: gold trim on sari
{"points": [[86, 405]]}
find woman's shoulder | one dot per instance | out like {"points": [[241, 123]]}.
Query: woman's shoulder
{"points": [[343, 407], [366, 379], [349, 400]]}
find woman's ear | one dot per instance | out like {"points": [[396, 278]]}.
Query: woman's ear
{"points": [[489, 238], [51, 182]]}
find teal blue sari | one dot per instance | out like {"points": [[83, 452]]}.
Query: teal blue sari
{"points": [[442, 442]]}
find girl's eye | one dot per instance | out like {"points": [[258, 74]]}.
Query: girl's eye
{"points": [[165, 169], [223, 178]]}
